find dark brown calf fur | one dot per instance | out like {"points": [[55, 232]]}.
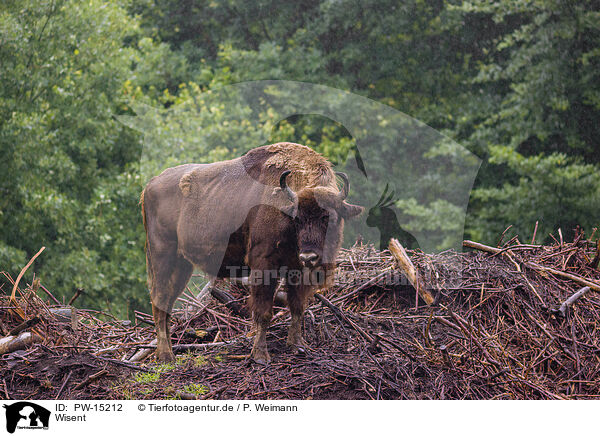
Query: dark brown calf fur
{"points": [[276, 210]]}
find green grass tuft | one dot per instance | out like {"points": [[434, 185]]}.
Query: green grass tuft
{"points": [[195, 389]]}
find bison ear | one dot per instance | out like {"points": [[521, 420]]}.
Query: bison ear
{"points": [[350, 210], [282, 202], [185, 184]]}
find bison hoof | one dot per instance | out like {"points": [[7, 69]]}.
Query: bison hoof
{"points": [[299, 346], [260, 357], [297, 349], [166, 357]]}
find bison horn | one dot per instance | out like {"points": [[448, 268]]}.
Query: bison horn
{"points": [[285, 188], [346, 187]]}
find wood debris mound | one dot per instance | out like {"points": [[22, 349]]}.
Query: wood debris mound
{"points": [[514, 322]]}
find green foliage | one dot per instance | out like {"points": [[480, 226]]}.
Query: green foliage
{"points": [[562, 191], [154, 375], [146, 377], [68, 175], [534, 117], [191, 359]]}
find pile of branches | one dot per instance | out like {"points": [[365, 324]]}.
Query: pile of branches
{"points": [[518, 321], [52, 350]]}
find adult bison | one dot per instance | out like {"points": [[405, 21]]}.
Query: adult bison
{"points": [[276, 210]]}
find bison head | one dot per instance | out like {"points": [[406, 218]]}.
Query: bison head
{"points": [[318, 216]]}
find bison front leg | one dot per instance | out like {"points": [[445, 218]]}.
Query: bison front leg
{"points": [[262, 308], [297, 296]]}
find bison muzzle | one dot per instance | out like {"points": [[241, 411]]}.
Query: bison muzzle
{"points": [[276, 211]]}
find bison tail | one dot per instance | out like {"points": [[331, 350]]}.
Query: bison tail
{"points": [[148, 261], [143, 212]]}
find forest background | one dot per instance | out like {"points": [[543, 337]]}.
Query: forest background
{"points": [[517, 83]]}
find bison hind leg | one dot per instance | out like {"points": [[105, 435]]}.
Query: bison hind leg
{"points": [[167, 285], [164, 352]]}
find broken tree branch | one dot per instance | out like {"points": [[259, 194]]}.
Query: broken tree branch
{"points": [[16, 285], [78, 292], [594, 285], [572, 299], [338, 312], [412, 274], [229, 302], [91, 378], [505, 252], [143, 353], [23, 326], [496, 251], [64, 383], [205, 290], [9, 344]]}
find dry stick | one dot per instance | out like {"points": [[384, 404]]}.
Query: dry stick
{"points": [[534, 232], [409, 270], [188, 346], [504, 233], [144, 317], [91, 378], [446, 322], [78, 292], [67, 378], [576, 350], [205, 290], [591, 238], [337, 312], [14, 290], [578, 279], [360, 288], [572, 299], [62, 313], [550, 336], [480, 247], [509, 242], [9, 344], [561, 237], [547, 256], [23, 326], [198, 346], [466, 328], [396, 346], [142, 354], [516, 247], [119, 363], [495, 251], [231, 303], [144, 320], [526, 279], [49, 294], [596, 260], [5, 390]]}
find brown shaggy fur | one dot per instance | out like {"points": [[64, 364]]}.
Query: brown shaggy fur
{"points": [[233, 214]]}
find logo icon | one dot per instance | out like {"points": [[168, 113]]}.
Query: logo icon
{"points": [[26, 415]]}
